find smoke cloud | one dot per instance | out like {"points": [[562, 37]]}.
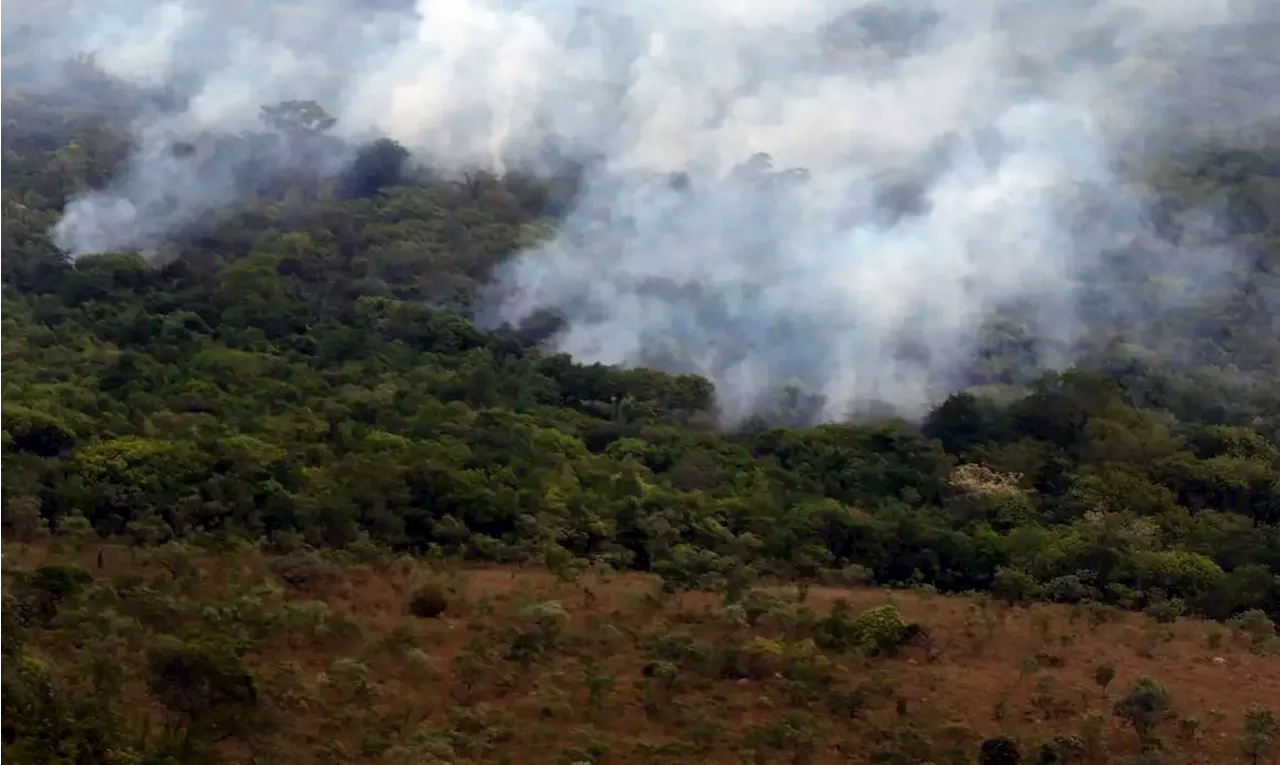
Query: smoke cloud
{"points": [[840, 192]]}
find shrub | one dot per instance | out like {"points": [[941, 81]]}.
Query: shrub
{"points": [[49, 586], [1255, 624], [58, 582], [305, 571], [1165, 611], [837, 631], [1103, 674], [548, 618], [429, 601], [881, 628], [1014, 586], [763, 657], [1146, 706], [1001, 750]]}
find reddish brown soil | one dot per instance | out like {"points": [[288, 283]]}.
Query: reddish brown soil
{"points": [[979, 679]]}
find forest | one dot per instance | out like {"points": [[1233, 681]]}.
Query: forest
{"points": [[210, 449]]}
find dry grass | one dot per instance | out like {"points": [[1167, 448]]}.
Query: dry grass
{"points": [[991, 669]]}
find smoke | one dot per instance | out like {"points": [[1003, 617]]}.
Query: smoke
{"points": [[840, 192]]}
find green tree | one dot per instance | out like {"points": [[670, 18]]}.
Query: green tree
{"points": [[1145, 707], [1260, 738], [207, 691]]}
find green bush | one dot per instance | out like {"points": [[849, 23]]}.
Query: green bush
{"points": [[881, 628]]}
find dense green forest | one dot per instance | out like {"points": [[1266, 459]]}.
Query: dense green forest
{"points": [[299, 373], [301, 370]]}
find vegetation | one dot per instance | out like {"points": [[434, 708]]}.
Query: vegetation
{"points": [[270, 496], [174, 654]]}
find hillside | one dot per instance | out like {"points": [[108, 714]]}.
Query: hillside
{"points": [[307, 372], [237, 461], [312, 658]]}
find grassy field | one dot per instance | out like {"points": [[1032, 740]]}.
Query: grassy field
{"points": [[525, 666]]}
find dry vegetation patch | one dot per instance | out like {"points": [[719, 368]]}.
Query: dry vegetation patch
{"points": [[398, 660]]}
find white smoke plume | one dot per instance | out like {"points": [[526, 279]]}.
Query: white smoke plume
{"points": [[949, 158]]}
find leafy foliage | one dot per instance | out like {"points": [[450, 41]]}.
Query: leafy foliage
{"points": [[303, 373], [300, 375]]}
